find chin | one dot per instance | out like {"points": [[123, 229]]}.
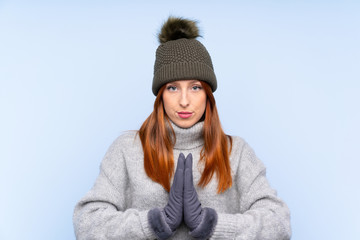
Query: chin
{"points": [[184, 125]]}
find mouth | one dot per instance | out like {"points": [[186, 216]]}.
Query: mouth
{"points": [[185, 114]]}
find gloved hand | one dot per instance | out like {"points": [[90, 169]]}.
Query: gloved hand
{"points": [[200, 221], [165, 221]]}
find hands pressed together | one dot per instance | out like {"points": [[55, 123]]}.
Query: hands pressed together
{"points": [[183, 205]]}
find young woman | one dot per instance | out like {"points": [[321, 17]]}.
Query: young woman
{"points": [[219, 189]]}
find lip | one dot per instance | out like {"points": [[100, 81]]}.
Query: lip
{"points": [[185, 114]]}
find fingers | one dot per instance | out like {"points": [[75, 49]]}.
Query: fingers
{"points": [[188, 181], [188, 162], [181, 162], [192, 205], [183, 175], [179, 174]]}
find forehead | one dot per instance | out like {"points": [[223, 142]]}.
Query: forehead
{"points": [[180, 82]]}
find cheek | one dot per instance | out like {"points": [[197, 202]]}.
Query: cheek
{"points": [[167, 103], [202, 104], [164, 100], [166, 109]]}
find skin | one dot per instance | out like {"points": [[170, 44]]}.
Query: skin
{"points": [[184, 96]]}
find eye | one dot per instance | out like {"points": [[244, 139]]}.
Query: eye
{"points": [[196, 87], [171, 88]]}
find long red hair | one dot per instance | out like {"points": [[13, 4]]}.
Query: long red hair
{"points": [[157, 139]]}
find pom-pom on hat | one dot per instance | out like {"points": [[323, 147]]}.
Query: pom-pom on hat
{"points": [[180, 56]]}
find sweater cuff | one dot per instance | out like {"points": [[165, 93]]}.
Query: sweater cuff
{"points": [[207, 224], [149, 234], [226, 227], [158, 224]]}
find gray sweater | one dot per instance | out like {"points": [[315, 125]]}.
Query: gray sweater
{"points": [[117, 205]]}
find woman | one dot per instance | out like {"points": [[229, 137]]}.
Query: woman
{"points": [[219, 189]]}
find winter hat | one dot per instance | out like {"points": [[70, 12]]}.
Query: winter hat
{"points": [[180, 56]]}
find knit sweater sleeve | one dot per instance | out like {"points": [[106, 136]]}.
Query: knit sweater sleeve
{"points": [[262, 214], [102, 213]]}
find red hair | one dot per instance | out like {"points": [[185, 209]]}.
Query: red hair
{"points": [[156, 135]]}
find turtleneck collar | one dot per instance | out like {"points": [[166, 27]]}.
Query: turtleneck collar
{"points": [[188, 138]]}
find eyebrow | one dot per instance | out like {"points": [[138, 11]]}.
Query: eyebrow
{"points": [[193, 81]]}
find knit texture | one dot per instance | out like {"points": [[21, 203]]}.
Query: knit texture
{"points": [[182, 59], [117, 205]]}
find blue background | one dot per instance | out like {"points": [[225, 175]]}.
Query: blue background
{"points": [[76, 74]]}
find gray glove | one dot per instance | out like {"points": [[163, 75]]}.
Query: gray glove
{"points": [[200, 221], [165, 221]]}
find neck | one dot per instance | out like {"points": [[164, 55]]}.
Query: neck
{"points": [[188, 138]]}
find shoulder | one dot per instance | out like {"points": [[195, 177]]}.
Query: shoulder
{"points": [[126, 139], [238, 145], [244, 155], [122, 147], [241, 147]]}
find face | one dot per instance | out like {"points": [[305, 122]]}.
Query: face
{"points": [[184, 102]]}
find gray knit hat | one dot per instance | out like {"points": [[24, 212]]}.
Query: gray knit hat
{"points": [[180, 56]]}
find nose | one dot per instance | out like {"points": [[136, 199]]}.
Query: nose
{"points": [[184, 99]]}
